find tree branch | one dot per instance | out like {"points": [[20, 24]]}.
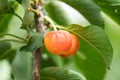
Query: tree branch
{"points": [[36, 64], [39, 20]]}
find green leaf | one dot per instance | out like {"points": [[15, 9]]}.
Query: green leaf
{"points": [[56, 73], [25, 4], [35, 41], [95, 51], [113, 32], [8, 20], [111, 8], [88, 9], [28, 19], [5, 70], [22, 66], [4, 47], [20, 1], [67, 15], [6, 52], [18, 9], [47, 57], [5, 7], [88, 61], [10, 55], [4, 22], [96, 38]]}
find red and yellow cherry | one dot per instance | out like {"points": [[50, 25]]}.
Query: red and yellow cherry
{"points": [[61, 43], [74, 47]]}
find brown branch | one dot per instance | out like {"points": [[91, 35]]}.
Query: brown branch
{"points": [[39, 20], [36, 64]]}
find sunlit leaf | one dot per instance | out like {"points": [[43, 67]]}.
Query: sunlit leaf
{"points": [[89, 9], [67, 15]]}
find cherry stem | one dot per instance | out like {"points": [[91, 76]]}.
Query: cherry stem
{"points": [[51, 22]]}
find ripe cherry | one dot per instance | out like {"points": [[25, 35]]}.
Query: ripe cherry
{"points": [[74, 47], [61, 43]]}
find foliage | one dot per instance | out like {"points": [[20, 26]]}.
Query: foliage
{"points": [[60, 74], [95, 22]]}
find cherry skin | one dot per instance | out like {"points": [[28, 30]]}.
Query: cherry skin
{"points": [[74, 48], [61, 43], [58, 42]]}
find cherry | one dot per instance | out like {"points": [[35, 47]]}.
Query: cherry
{"points": [[61, 43]]}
